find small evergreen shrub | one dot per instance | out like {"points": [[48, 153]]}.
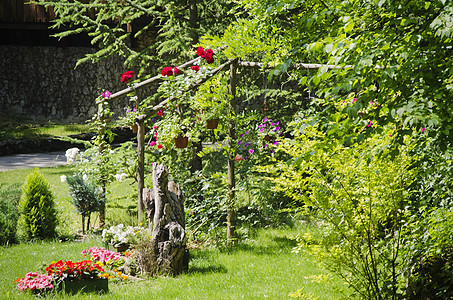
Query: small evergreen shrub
{"points": [[86, 197], [37, 208], [9, 214]]}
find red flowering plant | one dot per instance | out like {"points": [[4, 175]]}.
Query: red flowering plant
{"points": [[86, 269]]}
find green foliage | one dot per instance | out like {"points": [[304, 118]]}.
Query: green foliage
{"points": [[409, 79], [37, 208], [9, 214], [362, 201], [86, 196], [141, 31], [428, 254]]}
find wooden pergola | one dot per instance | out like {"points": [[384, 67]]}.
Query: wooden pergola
{"points": [[233, 64]]}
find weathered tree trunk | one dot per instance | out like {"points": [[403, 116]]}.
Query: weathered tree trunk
{"points": [[165, 210]]}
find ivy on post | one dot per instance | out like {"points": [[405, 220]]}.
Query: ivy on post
{"points": [[231, 212], [104, 134], [141, 165]]}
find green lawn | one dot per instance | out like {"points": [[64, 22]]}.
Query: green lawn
{"points": [[261, 266]]}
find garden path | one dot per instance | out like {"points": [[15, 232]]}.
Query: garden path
{"points": [[32, 160]]}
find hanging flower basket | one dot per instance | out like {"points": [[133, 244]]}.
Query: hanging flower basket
{"points": [[134, 128], [88, 285], [212, 124], [181, 141]]}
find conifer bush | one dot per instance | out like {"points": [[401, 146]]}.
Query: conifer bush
{"points": [[38, 215], [86, 197], [9, 198]]}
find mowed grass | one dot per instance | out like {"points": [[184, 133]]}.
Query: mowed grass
{"points": [[259, 267], [30, 131]]}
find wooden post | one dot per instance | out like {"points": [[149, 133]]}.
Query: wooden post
{"points": [[103, 180], [141, 165], [231, 211]]}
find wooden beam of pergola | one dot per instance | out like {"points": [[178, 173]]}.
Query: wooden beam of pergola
{"points": [[247, 64], [162, 104], [148, 81]]}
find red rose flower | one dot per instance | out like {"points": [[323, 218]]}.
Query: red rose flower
{"points": [[200, 52], [209, 53], [160, 146], [195, 68], [160, 112], [177, 71], [126, 76], [210, 60], [209, 56], [167, 71]]}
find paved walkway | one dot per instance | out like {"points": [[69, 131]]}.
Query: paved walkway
{"points": [[24, 161]]}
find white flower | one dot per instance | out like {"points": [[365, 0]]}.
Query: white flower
{"points": [[120, 177], [85, 177], [63, 178], [71, 154]]}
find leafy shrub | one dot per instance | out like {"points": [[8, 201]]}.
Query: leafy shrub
{"points": [[360, 200], [86, 197], [37, 208], [9, 214], [429, 255]]}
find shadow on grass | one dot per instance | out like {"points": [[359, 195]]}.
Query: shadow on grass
{"points": [[203, 262], [275, 245]]}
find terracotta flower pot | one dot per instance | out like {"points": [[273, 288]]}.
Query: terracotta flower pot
{"points": [[134, 128], [212, 124], [181, 141]]}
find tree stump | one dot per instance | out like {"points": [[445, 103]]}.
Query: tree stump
{"points": [[165, 211]]}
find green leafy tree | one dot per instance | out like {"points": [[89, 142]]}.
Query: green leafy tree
{"points": [[391, 54], [37, 208]]}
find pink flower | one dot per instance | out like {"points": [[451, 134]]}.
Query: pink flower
{"points": [[251, 151], [354, 100], [127, 76], [106, 94], [152, 144], [160, 112], [369, 124], [423, 129]]}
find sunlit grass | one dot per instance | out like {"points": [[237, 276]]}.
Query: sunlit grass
{"points": [[29, 131], [260, 267]]}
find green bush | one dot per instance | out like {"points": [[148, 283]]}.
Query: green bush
{"points": [[359, 199], [37, 208], [428, 252], [9, 214], [86, 197]]}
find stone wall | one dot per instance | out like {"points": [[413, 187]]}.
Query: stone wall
{"points": [[41, 83]]}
